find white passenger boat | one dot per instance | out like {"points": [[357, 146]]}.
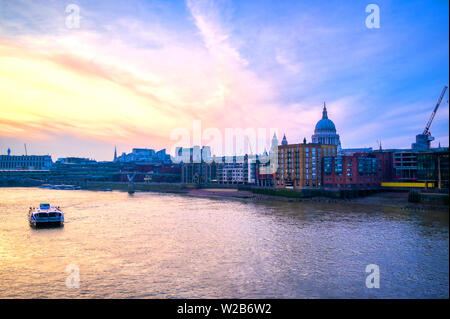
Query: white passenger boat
{"points": [[45, 215]]}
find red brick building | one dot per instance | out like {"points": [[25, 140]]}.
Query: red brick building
{"points": [[385, 162], [357, 171]]}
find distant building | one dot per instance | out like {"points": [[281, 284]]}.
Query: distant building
{"points": [[422, 142], [75, 161], [221, 170], [25, 162], [199, 173], [262, 172], [80, 168], [284, 141], [145, 155], [192, 155], [233, 170]]}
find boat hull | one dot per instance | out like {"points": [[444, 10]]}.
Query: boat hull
{"points": [[46, 224]]}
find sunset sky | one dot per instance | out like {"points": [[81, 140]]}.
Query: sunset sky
{"points": [[136, 70]]}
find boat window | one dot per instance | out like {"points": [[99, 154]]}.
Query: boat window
{"points": [[42, 215]]}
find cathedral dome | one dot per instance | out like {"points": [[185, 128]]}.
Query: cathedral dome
{"points": [[325, 130], [325, 124]]}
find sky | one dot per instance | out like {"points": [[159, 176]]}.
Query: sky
{"points": [[137, 73]]}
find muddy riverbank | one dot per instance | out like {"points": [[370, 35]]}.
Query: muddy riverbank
{"points": [[383, 199]]}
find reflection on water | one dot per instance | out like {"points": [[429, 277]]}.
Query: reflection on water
{"points": [[153, 245]]}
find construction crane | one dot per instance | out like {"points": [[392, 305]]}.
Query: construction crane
{"points": [[423, 140], [426, 131]]}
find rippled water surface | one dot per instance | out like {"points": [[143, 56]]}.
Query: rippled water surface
{"points": [[153, 245]]}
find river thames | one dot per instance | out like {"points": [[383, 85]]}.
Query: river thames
{"points": [[152, 245]]}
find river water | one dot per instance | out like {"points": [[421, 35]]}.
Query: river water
{"points": [[151, 245]]}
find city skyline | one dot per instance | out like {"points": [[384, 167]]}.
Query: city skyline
{"points": [[135, 71]]}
